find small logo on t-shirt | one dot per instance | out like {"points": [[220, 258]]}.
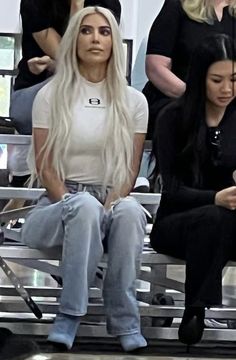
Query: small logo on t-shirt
{"points": [[94, 101]]}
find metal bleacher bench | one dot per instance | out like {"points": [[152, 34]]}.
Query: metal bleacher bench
{"points": [[156, 320]]}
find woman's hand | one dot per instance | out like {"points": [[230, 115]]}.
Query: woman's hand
{"points": [[48, 177], [38, 64], [75, 6], [226, 198]]}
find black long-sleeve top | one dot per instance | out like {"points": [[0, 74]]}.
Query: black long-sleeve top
{"points": [[179, 193]]}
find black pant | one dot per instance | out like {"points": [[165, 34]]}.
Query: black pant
{"points": [[205, 238], [19, 181]]}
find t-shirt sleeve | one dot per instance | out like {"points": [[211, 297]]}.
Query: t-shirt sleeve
{"points": [[139, 109], [165, 28], [36, 14], [41, 109]]}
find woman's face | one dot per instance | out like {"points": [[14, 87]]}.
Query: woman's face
{"points": [[221, 83], [94, 45]]}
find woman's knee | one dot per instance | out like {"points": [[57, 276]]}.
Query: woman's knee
{"points": [[129, 208], [129, 220], [42, 224]]}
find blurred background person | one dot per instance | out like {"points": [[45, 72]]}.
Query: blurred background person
{"points": [[179, 27]]}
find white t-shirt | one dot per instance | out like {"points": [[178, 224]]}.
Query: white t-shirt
{"points": [[84, 154]]}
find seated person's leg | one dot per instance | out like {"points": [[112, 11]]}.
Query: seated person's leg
{"points": [[21, 107], [75, 224], [126, 230], [199, 237], [19, 173], [21, 114]]}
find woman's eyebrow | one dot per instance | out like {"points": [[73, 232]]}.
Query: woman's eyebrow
{"points": [[91, 26]]}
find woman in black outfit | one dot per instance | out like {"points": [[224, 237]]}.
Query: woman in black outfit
{"points": [[195, 150]]}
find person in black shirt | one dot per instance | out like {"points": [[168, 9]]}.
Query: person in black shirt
{"points": [[43, 24], [195, 150], [174, 34]]}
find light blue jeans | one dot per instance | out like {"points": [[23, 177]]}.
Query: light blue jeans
{"points": [[21, 107], [82, 226]]}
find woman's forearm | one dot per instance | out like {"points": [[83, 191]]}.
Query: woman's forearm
{"points": [[158, 69], [48, 40], [75, 6], [54, 186], [168, 83]]}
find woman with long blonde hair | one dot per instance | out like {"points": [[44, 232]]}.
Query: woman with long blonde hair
{"points": [[179, 27], [88, 134], [44, 23]]}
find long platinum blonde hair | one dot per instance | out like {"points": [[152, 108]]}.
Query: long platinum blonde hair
{"points": [[66, 86], [203, 10]]}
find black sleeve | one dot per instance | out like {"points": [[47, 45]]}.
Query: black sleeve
{"points": [[36, 15], [175, 193], [165, 28]]}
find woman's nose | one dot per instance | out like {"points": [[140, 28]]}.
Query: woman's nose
{"points": [[95, 36], [227, 87]]}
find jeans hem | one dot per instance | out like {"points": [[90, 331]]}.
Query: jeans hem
{"points": [[123, 332], [72, 312]]}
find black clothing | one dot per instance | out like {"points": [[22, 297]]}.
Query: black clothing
{"points": [[173, 34], [19, 181], [38, 15], [113, 5], [188, 224]]}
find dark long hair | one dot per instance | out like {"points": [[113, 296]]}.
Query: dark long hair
{"points": [[192, 105], [214, 48]]}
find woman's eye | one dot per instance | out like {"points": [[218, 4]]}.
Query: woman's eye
{"points": [[105, 32], [85, 31]]}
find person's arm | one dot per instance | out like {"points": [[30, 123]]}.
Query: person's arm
{"points": [[126, 189], [48, 40], [49, 179], [162, 39], [37, 19], [158, 70], [75, 6]]}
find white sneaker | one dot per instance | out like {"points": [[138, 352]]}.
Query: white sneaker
{"points": [[218, 324], [141, 185]]}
